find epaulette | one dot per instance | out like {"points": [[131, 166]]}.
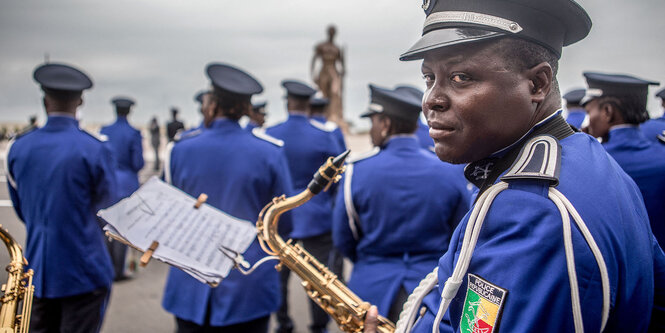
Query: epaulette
{"points": [[25, 131], [261, 134], [365, 155], [539, 159], [661, 137], [98, 136], [181, 135], [328, 126]]}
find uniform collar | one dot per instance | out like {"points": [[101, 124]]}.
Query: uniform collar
{"points": [[625, 133], [224, 123], [297, 115], [483, 173], [60, 121], [122, 120], [401, 141]]}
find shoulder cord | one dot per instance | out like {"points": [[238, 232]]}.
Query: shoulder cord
{"points": [[471, 234], [10, 179], [348, 202]]}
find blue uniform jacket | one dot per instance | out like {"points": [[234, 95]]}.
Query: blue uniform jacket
{"points": [[307, 148], [644, 162], [240, 173], [250, 126], [576, 117], [59, 176], [337, 132], [426, 141], [521, 250], [652, 128], [407, 204], [127, 145]]}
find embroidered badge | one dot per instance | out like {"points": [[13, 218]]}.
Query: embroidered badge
{"points": [[482, 306], [482, 172]]}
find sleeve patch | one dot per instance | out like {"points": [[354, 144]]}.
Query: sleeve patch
{"points": [[482, 305], [540, 159], [261, 134]]}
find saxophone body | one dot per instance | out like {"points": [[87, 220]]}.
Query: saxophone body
{"points": [[16, 301], [320, 284]]}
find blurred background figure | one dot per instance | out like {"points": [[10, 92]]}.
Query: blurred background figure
{"points": [[174, 125], [654, 129], [257, 116], [307, 147], [155, 140], [398, 206], [576, 114], [32, 124], [127, 145], [617, 106]]}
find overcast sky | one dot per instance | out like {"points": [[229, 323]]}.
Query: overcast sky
{"points": [[156, 50]]}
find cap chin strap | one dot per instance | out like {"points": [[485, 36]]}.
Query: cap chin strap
{"points": [[471, 234]]}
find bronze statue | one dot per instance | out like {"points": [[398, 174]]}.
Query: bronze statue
{"points": [[329, 78]]}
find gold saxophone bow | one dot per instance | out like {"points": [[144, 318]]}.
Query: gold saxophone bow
{"points": [[321, 285], [18, 289]]}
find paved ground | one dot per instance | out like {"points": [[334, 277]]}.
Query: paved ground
{"points": [[135, 304]]}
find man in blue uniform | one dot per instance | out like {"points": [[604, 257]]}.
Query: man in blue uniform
{"points": [[317, 115], [240, 172], [617, 106], [59, 176], [654, 129], [127, 145], [257, 116], [306, 147], [558, 239], [576, 114], [398, 207]]}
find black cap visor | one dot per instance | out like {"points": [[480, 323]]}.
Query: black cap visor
{"points": [[446, 37]]}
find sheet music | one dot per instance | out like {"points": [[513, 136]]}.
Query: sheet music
{"points": [[188, 238]]}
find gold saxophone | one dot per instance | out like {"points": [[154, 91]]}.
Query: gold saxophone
{"points": [[18, 289], [321, 285]]}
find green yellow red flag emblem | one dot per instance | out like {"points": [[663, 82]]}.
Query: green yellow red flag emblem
{"points": [[482, 306]]}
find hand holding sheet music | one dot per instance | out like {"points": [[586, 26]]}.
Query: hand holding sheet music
{"points": [[189, 238]]}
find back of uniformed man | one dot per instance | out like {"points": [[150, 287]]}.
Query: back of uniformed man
{"points": [[59, 176], [307, 147], [654, 129], [617, 106], [576, 114], [127, 145], [422, 132], [240, 172], [558, 239], [317, 113], [397, 206]]}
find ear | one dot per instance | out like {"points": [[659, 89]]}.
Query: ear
{"points": [[80, 102], [541, 78], [610, 114]]}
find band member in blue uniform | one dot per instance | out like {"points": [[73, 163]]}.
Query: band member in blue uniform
{"points": [[654, 129], [617, 106], [576, 114], [397, 206], [127, 145], [422, 132], [257, 116], [558, 239], [240, 172], [307, 147], [59, 176], [317, 115]]}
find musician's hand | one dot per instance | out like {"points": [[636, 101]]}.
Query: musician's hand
{"points": [[371, 320]]}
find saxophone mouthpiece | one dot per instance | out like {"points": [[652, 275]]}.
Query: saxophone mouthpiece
{"points": [[328, 173]]}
